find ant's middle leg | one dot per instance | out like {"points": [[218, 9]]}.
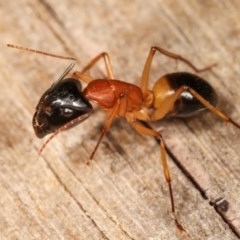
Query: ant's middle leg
{"points": [[186, 61], [150, 132], [147, 66], [108, 67]]}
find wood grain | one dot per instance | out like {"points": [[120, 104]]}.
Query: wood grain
{"points": [[123, 194]]}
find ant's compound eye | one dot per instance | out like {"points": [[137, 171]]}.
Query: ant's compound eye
{"points": [[66, 112]]}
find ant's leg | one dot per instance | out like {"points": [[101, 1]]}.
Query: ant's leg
{"points": [[107, 125], [107, 62], [148, 131], [168, 104], [147, 66], [118, 109], [213, 109], [79, 75], [179, 57]]}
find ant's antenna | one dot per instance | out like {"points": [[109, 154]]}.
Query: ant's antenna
{"points": [[40, 52], [64, 127], [69, 68]]}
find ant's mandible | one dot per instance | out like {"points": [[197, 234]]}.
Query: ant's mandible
{"points": [[179, 94]]}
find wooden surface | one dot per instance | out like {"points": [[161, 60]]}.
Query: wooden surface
{"points": [[122, 195]]}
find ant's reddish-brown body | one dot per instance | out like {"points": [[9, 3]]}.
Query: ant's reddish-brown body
{"points": [[179, 94]]}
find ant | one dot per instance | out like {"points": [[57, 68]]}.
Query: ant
{"points": [[179, 94]]}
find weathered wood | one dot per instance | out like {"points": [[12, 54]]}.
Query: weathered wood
{"points": [[122, 195]]}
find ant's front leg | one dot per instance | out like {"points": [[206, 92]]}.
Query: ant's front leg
{"points": [[85, 77], [118, 110]]}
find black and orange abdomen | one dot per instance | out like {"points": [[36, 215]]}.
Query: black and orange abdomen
{"points": [[187, 104]]}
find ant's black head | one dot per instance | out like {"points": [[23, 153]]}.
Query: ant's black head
{"points": [[60, 104]]}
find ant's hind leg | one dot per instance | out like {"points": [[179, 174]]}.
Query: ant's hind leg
{"points": [[212, 108], [168, 104]]}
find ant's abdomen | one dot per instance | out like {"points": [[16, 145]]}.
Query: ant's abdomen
{"points": [[187, 104]]}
